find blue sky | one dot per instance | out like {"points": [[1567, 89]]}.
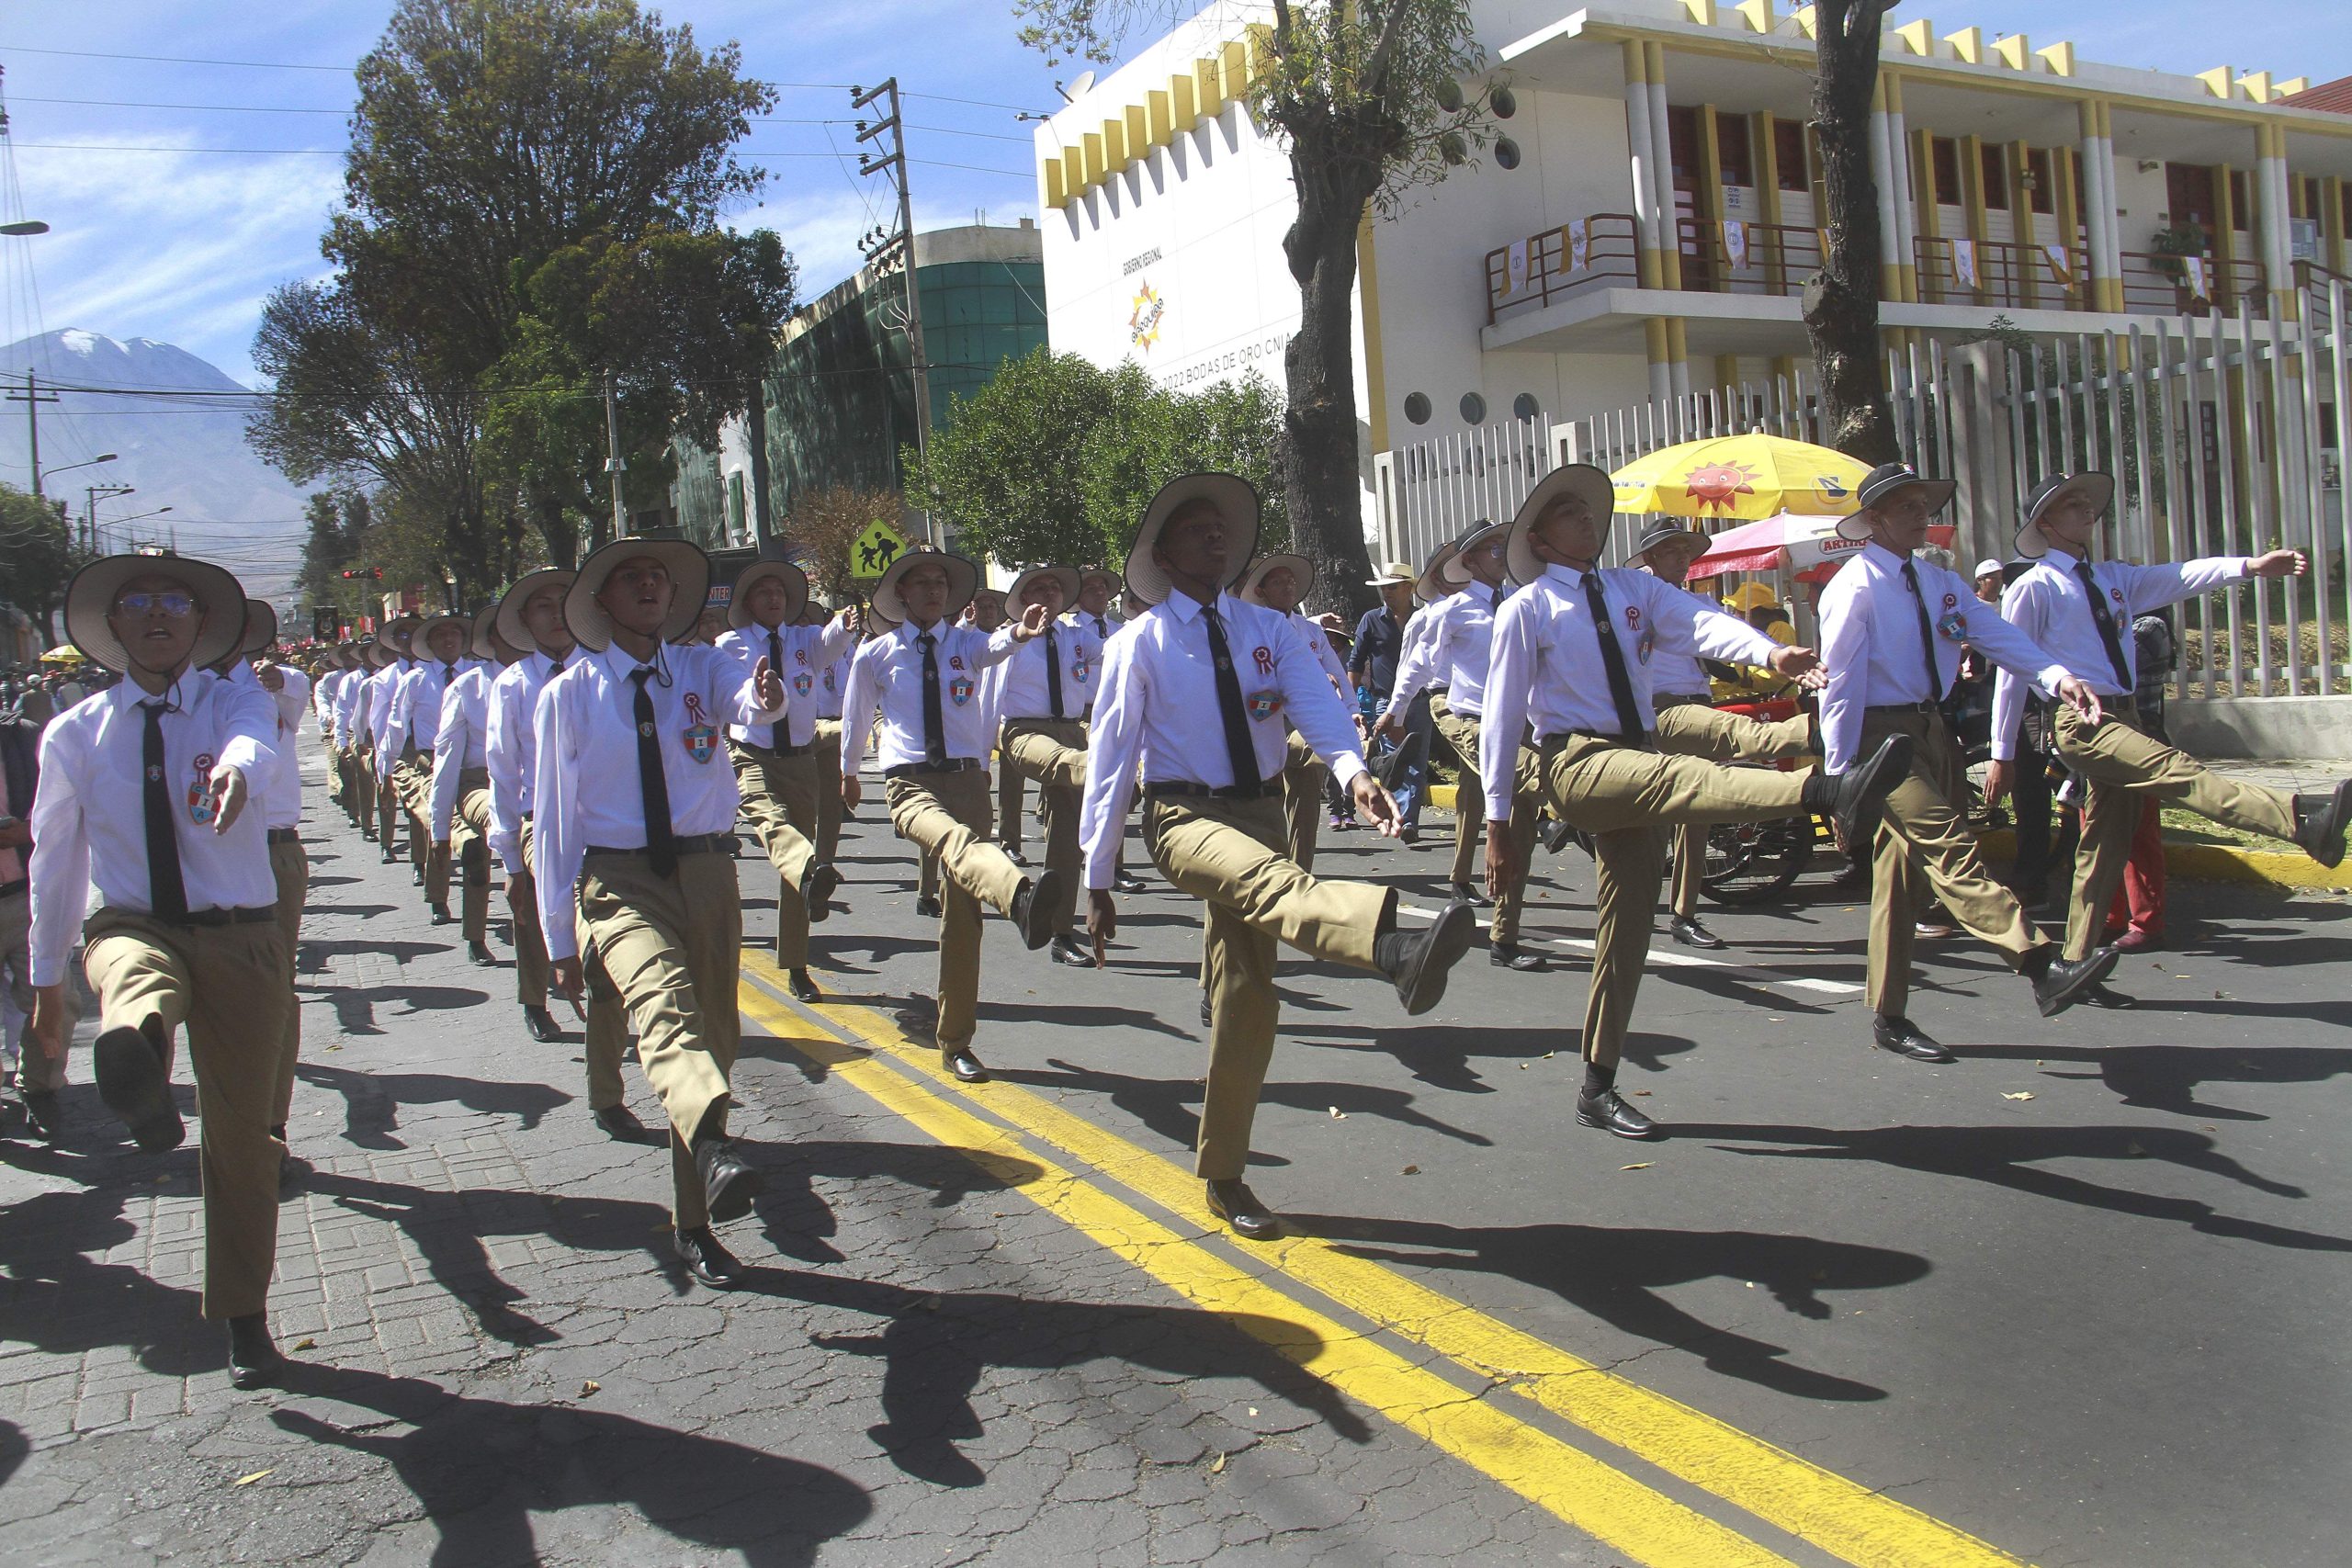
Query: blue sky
{"points": [[159, 233]]}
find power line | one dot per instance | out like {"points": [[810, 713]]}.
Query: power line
{"points": [[278, 109], [339, 151]]}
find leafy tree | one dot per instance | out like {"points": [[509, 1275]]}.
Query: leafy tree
{"points": [[1004, 465], [1151, 436], [826, 523], [1368, 98], [1841, 301], [38, 556]]}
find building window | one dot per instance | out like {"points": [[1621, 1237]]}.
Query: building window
{"points": [[735, 504], [1524, 406], [1504, 102], [1789, 153], [1506, 153], [1994, 171], [2038, 182], [1416, 407], [2241, 202], [1474, 409], [1731, 150], [1682, 144], [1944, 155]]}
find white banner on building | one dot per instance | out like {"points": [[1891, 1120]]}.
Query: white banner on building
{"points": [[2062, 265], [1579, 245], [1963, 263], [2200, 284], [1735, 242], [1515, 269]]}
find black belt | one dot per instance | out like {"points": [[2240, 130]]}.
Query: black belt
{"points": [[202, 917], [9, 888], [285, 835], [692, 845], [953, 765], [1178, 790], [1663, 699], [1924, 706], [777, 750]]}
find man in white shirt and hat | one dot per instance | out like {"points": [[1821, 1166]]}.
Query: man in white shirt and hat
{"points": [[458, 788], [2081, 610], [1197, 695], [1097, 587], [1280, 582], [1042, 693], [636, 811], [447, 643], [147, 792], [395, 659]]}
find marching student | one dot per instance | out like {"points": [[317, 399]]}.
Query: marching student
{"points": [[146, 793], [1042, 694], [352, 729], [448, 642], [923, 676], [648, 849], [1279, 583], [456, 791], [1194, 695], [1892, 627], [1689, 725], [1573, 649], [2078, 608], [1097, 586], [530, 616], [333, 674], [395, 643], [825, 739], [775, 765]]}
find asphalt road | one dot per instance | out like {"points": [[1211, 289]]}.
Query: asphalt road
{"points": [[2070, 1301]]}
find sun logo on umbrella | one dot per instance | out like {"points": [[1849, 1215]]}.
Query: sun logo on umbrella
{"points": [[1716, 487]]}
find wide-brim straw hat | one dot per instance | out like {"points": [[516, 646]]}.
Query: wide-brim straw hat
{"points": [[963, 581], [689, 571], [92, 593], [1453, 574], [1667, 532], [260, 627], [1236, 499], [398, 637], [1433, 584], [796, 591], [1574, 479], [2093, 484], [1253, 581], [485, 644], [509, 617], [376, 654], [1885, 480], [421, 643], [1016, 598]]}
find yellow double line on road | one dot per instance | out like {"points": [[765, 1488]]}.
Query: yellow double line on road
{"points": [[1827, 1510]]}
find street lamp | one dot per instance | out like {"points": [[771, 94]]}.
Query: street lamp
{"points": [[23, 226], [101, 458]]}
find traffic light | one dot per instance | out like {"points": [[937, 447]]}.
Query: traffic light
{"points": [[376, 572]]}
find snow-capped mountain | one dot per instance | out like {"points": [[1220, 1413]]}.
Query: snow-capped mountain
{"points": [[177, 425]]}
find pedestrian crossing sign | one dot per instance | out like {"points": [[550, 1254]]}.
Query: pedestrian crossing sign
{"points": [[875, 549]]}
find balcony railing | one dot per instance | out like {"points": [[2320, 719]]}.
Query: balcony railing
{"points": [[2159, 285], [2000, 273], [1746, 258], [1559, 262]]}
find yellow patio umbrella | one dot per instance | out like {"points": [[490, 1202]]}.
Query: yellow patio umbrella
{"points": [[63, 653], [1740, 478]]}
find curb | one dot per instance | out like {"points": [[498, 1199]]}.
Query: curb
{"points": [[2191, 861]]}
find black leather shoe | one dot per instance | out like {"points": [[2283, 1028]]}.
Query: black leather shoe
{"points": [[540, 1025], [927, 908], [728, 1184], [1510, 955], [1233, 1202], [1208, 1012], [292, 1170], [1462, 893], [130, 1069], [817, 890], [479, 953], [390, 855], [966, 1067], [1417, 964], [1864, 789], [804, 986], [1903, 1038], [705, 1259], [42, 1109], [1071, 950], [1013, 852], [621, 1125], [254, 1358], [2063, 984], [1556, 835], [1032, 909], [416, 876], [1611, 1114], [2109, 999], [2320, 824], [1124, 883], [1691, 933]]}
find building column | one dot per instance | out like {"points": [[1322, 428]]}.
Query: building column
{"points": [[1644, 157], [1902, 241], [2273, 233], [1654, 339], [1883, 175], [1662, 158]]}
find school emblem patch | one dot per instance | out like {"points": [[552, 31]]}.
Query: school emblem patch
{"points": [[802, 684], [701, 737], [1081, 670], [959, 690], [1645, 646], [1264, 704], [201, 806], [1954, 625]]}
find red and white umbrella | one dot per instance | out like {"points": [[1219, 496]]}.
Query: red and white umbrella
{"points": [[1787, 541]]}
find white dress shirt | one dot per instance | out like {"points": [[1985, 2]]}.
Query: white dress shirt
{"points": [[461, 742], [588, 791], [2047, 603], [1157, 711], [1102, 628], [888, 674], [1448, 644], [417, 704], [323, 699], [807, 652], [350, 710], [511, 751], [831, 687], [1547, 670], [382, 686], [277, 787], [1022, 688], [1871, 644], [89, 819]]}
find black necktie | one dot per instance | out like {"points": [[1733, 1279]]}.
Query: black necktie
{"points": [[661, 843], [555, 668], [166, 890], [1927, 634], [1240, 751], [934, 722], [1630, 724], [776, 652], [2106, 619], [1100, 629], [1053, 673]]}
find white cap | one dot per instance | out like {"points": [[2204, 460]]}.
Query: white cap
{"points": [[1983, 567]]}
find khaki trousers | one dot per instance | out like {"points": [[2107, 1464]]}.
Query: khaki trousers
{"points": [[2125, 765], [289, 862], [1012, 787], [36, 1074], [1303, 776], [1053, 751], [363, 803], [388, 806], [1925, 850], [827, 746], [607, 1027], [1622, 796], [469, 852], [946, 815], [780, 805], [1460, 732], [415, 780], [338, 777], [228, 985], [672, 946], [1694, 726], [1229, 855]]}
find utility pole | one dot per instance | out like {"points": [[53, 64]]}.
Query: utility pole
{"points": [[614, 464], [899, 247], [90, 511], [32, 398]]}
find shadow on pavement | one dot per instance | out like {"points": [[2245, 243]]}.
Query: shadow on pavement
{"points": [[2165, 1077], [371, 1101], [1166, 1105], [56, 1300], [798, 1221]]}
